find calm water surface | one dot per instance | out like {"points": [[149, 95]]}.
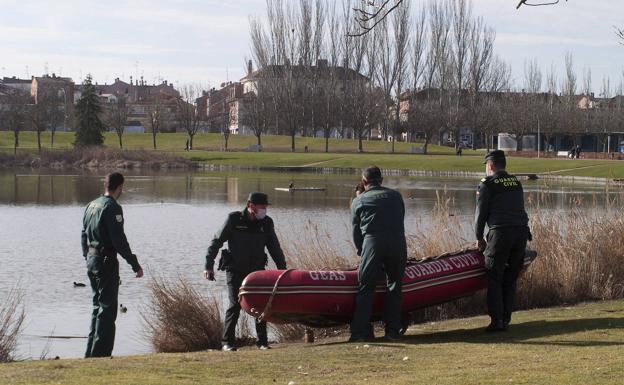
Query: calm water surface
{"points": [[170, 219]]}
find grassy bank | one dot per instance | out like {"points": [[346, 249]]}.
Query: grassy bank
{"points": [[277, 154], [214, 142], [577, 345]]}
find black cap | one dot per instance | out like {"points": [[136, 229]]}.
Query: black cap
{"points": [[258, 198], [495, 156]]}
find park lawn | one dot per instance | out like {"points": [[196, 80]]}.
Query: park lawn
{"points": [[277, 154], [571, 345], [214, 142]]}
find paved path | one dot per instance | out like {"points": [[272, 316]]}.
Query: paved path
{"points": [[321, 162], [573, 169]]}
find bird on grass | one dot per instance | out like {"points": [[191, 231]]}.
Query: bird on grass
{"points": [[79, 284]]}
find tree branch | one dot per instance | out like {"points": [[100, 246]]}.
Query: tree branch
{"points": [[619, 32], [524, 2]]}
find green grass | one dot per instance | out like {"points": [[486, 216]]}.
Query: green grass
{"points": [[578, 345], [213, 142], [343, 154]]}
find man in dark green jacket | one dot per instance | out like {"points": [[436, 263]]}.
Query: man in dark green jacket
{"points": [[500, 205], [247, 233], [379, 237], [102, 239]]}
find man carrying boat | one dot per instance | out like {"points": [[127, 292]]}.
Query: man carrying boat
{"points": [[247, 233], [500, 205], [379, 236]]}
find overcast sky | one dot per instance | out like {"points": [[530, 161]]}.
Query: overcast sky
{"points": [[206, 41]]}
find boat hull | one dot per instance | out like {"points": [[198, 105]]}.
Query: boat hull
{"points": [[326, 298]]}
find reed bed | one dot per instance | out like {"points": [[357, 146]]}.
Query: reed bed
{"points": [[180, 319], [12, 316], [95, 158]]}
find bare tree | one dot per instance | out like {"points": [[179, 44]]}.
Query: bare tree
{"points": [[329, 94], [116, 116], [569, 116], [159, 116], [365, 102], [402, 32], [45, 113], [186, 111], [14, 115], [437, 58], [386, 70], [225, 121], [550, 120], [259, 111], [480, 68], [461, 16]]}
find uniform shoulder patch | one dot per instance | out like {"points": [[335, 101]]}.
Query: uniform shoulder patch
{"points": [[119, 218], [483, 180]]}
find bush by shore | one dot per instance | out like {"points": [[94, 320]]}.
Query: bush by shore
{"points": [[95, 158], [12, 318]]}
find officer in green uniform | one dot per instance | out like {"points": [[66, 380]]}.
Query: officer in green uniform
{"points": [[247, 233], [102, 239], [500, 205], [379, 236]]}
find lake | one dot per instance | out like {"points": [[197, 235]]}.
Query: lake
{"points": [[170, 219]]}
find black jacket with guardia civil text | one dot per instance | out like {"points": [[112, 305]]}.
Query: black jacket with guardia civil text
{"points": [[500, 203]]}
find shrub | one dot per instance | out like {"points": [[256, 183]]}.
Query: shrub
{"points": [[179, 319], [12, 317]]}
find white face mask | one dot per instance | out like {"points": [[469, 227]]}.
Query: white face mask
{"points": [[260, 213]]}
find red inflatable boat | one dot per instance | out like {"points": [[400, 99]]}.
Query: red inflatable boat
{"points": [[327, 298]]}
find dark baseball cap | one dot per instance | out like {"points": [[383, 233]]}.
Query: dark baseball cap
{"points": [[258, 198], [495, 156]]}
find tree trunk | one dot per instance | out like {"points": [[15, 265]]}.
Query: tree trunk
{"points": [[154, 138], [52, 138], [39, 140], [259, 141], [326, 142], [292, 142], [120, 143], [426, 144], [360, 147], [191, 141], [15, 142]]}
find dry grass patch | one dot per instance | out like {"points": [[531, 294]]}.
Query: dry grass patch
{"points": [[12, 317]]}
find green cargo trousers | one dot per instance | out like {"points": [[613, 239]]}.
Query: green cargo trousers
{"points": [[103, 272], [381, 255]]}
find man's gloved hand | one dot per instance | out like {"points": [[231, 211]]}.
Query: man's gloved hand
{"points": [[209, 275]]}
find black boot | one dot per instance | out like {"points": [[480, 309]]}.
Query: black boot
{"points": [[496, 326]]}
